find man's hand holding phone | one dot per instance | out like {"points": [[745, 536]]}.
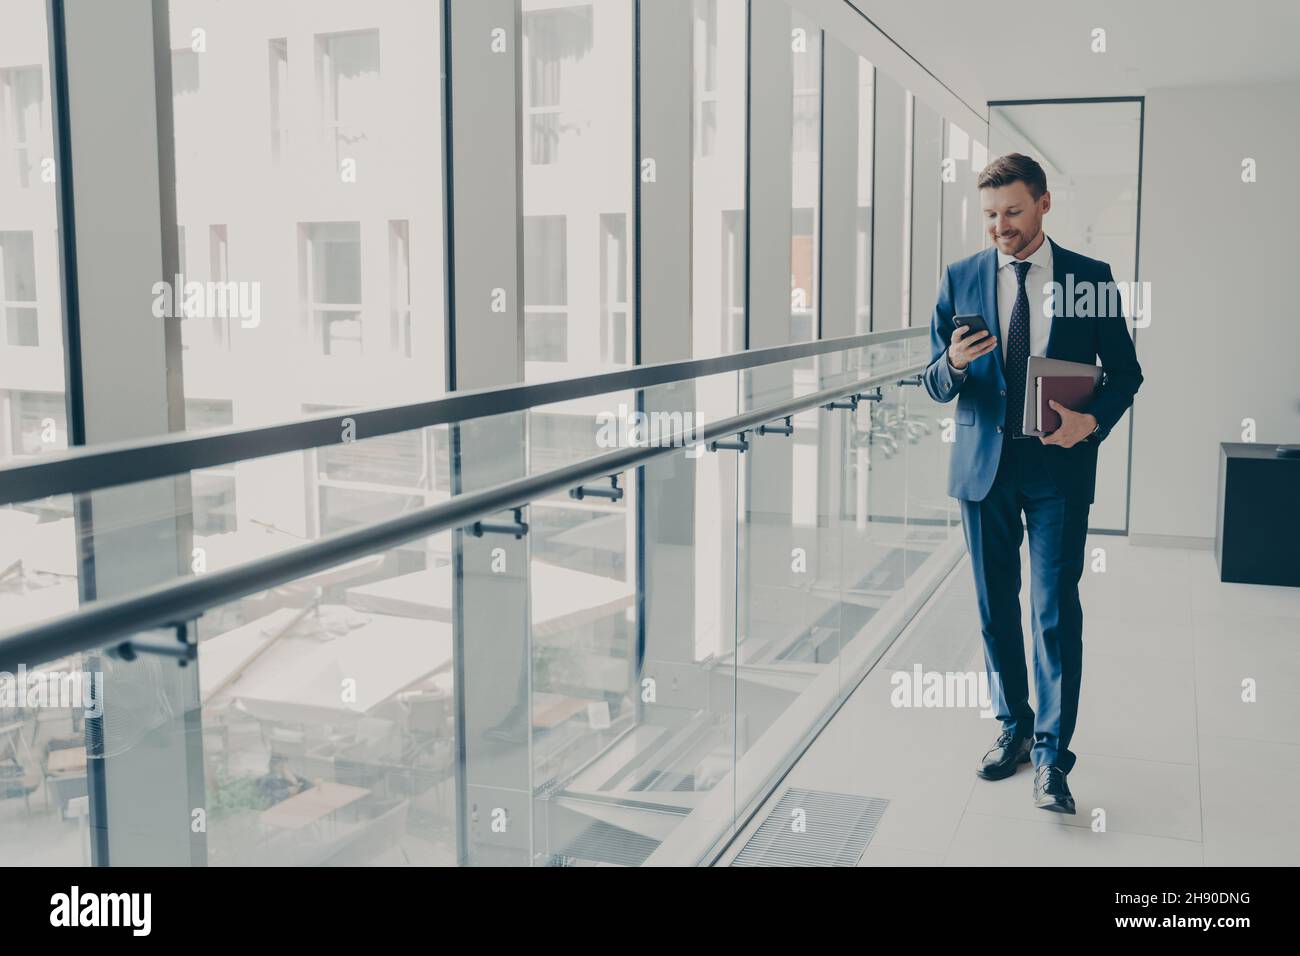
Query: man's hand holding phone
{"points": [[966, 346]]}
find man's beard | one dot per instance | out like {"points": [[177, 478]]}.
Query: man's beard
{"points": [[1022, 246]]}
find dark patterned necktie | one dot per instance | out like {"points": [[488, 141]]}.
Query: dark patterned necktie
{"points": [[1017, 354]]}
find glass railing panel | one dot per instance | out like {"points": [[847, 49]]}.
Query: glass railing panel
{"points": [[66, 550], [591, 733], [102, 757], [219, 517], [778, 382], [44, 808], [563, 433], [657, 781], [897, 354], [492, 609], [930, 431], [872, 516], [320, 732], [210, 519], [910, 442], [39, 566], [328, 716], [788, 594], [316, 726], [583, 566], [574, 430], [632, 731]]}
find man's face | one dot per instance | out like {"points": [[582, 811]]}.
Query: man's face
{"points": [[1012, 217]]}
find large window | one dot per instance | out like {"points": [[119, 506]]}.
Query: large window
{"points": [[865, 186], [212, 490], [718, 187], [576, 65], [927, 212], [909, 130], [309, 183], [208, 329], [399, 285], [615, 340], [22, 108], [356, 483], [309, 147], [36, 422], [732, 277], [706, 77], [33, 419], [18, 289], [557, 44], [278, 57], [546, 289], [806, 46], [614, 313], [219, 271], [331, 281], [349, 93]]}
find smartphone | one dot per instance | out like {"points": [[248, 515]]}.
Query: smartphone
{"points": [[973, 324]]}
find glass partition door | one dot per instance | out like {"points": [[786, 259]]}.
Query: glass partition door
{"points": [[1091, 151]]}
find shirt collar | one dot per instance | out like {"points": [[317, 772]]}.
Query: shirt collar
{"points": [[1042, 256]]}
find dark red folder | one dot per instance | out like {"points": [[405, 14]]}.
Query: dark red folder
{"points": [[1072, 391]]}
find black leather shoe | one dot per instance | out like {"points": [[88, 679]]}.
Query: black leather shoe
{"points": [[1008, 751], [1051, 791]]}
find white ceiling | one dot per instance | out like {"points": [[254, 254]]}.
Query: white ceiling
{"points": [[1042, 48]]}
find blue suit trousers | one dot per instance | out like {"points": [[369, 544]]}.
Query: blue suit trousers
{"points": [[1058, 528]]}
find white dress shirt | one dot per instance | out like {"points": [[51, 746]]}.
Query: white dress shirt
{"points": [[1038, 287]]}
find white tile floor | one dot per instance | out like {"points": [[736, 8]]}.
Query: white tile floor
{"points": [[1180, 769]]}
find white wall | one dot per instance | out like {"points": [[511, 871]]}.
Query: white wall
{"points": [[1224, 339]]}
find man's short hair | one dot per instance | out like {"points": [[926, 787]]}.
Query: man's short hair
{"points": [[1014, 167]]}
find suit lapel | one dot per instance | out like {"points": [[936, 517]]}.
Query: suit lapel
{"points": [[988, 274], [1059, 270]]}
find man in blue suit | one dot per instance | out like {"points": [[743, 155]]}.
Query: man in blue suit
{"points": [[1023, 287]]}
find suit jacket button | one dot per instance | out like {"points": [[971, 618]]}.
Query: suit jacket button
{"points": [[1003, 393], [999, 428]]}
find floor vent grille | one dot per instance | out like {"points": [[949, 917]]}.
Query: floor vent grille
{"points": [[603, 842], [837, 829]]}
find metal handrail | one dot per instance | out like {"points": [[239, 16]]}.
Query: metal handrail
{"points": [[104, 466], [104, 623]]}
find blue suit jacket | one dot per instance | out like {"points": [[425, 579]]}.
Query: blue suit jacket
{"points": [[970, 286]]}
